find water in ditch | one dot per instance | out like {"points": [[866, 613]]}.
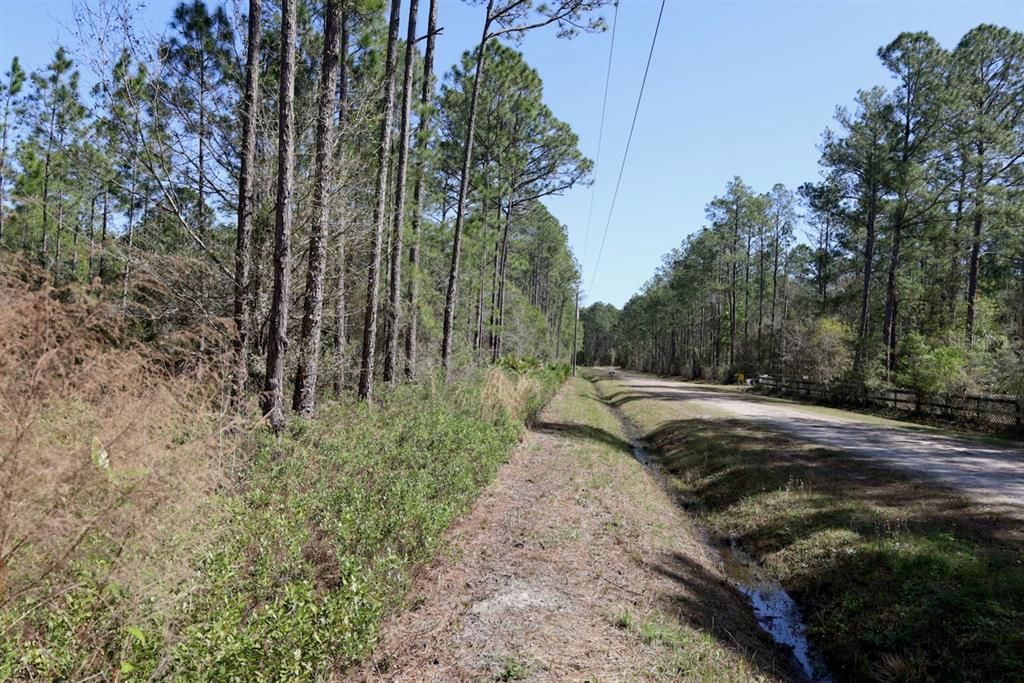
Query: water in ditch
{"points": [[775, 610]]}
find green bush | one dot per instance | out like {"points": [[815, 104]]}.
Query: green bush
{"points": [[931, 370], [826, 351]]}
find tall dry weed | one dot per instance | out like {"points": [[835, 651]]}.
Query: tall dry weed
{"points": [[108, 451], [503, 393]]}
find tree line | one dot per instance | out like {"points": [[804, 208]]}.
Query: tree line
{"points": [[297, 171], [903, 264]]}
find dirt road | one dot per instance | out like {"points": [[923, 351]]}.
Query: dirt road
{"points": [[989, 474], [575, 565]]}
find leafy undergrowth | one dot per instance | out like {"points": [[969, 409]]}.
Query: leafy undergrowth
{"points": [[138, 543], [335, 517], [898, 581]]}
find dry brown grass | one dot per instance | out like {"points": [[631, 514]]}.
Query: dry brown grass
{"points": [[107, 449], [504, 392]]}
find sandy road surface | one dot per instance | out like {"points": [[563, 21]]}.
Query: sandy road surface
{"points": [[989, 474]]}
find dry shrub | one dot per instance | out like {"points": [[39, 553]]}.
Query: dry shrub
{"points": [[106, 451], [506, 394]]}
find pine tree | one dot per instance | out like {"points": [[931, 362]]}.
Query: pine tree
{"points": [[277, 344], [422, 141], [9, 91], [379, 213], [309, 341], [393, 309], [243, 238]]}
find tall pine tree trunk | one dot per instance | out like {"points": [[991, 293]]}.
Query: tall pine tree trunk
{"points": [[422, 131], [979, 219], [889, 327], [492, 335], [277, 344], [3, 159], [732, 287], [379, 211], [304, 399], [451, 295], [502, 278], [953, 285], [46, 188], [760, 298], [775, 292], [746, 291], [202, 151], [92, 238], [340, 339], [125, 280], [398, 223], [478, 334], [865, 297], [243, 236]]}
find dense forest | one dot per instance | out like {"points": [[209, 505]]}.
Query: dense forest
{"points": [[902, 265], [293, 184]]}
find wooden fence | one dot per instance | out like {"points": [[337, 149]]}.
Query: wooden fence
{"points": [[1005, 413]]}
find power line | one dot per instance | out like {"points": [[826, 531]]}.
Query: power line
{"points": [[629, 140], [600, 132]]}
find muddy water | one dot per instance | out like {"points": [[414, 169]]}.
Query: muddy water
{"points": [[775, 610]]}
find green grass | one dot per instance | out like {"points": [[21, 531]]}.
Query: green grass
{"points": [[684, 653], [513, 669], [317, 542], [897, 580]]}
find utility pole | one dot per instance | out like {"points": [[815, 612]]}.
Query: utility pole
{"points": [[575, 329]]}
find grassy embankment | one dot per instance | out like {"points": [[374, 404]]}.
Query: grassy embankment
{"points": [[899, 581], [139, 541], [701, 633]]}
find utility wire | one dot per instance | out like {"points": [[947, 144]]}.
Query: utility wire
{"points": [[600, 132], [629, 140]]}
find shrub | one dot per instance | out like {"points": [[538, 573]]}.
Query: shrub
{"points": [[998, 362], [107, 473], [826, 349], [930, 370]]}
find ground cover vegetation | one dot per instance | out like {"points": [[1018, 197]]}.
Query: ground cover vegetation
{"points": [[149, 532]]}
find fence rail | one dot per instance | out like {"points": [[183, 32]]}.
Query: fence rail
{"points": [[995, 411]]}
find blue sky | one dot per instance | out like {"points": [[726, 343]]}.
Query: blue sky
{"points": [[736, 88]]}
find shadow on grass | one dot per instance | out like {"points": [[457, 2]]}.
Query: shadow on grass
{"points": [[707, 603], [586, 432], [898, 579], [704, 601]]}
